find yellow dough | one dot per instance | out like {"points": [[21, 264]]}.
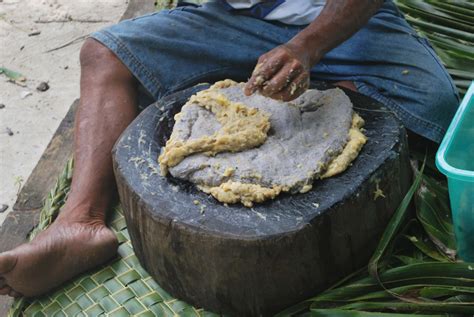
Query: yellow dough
{"points": [[247, 194], [355, 143], [242, 128]]}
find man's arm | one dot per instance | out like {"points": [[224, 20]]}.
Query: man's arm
{"points": [[283, 73]]}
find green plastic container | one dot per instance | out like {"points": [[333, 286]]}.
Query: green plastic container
{"points": [[455, 159]]}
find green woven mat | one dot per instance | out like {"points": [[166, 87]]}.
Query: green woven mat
{"points": [[120, 288]]}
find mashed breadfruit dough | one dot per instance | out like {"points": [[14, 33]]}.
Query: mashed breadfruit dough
{"points": [[249, 149], [241, 128]]}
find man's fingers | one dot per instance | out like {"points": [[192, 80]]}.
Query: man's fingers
{"points": [[282, 79], [270, 67], [295, 89], [250, 87], [264, 70], [14, 294], [253, 82], [5, 290]]}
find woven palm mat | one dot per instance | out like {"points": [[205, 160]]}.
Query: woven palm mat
{"points": [[120, 288]]}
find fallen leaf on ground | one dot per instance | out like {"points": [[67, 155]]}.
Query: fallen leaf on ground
{"points": [[13, 76]]}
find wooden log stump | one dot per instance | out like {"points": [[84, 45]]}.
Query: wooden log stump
{"points": [[257, 261]]}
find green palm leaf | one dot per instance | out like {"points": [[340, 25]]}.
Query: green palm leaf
{"points": [[449, 25], [428, 281], [354, 313]]}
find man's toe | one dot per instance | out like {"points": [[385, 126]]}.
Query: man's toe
{"points": [[5, 290], [12, 293], [7, 262]]}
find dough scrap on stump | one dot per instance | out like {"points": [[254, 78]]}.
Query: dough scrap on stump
{"points": [[250, 149]]}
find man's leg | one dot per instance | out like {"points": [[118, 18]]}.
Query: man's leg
{"points": [[165, 52], [79, 240]]}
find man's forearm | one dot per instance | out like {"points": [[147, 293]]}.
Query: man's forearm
{"points": [[338, 21], [284, 72]]}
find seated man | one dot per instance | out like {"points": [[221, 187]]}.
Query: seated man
{"points": [[363, 45]]}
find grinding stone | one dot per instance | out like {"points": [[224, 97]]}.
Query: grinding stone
{"points": [[305, 135], [257, 261]]}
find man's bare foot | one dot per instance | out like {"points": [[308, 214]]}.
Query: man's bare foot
{"points": [[64, 250]]}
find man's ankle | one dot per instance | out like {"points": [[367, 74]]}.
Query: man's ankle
{"points": [[84, 212]]}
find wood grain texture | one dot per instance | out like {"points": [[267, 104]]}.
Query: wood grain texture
{"points": [[25, 213], [257, 261], [24, 217], [49, 166]]}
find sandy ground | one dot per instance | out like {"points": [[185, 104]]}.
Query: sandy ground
{"points": [[29, 117]]}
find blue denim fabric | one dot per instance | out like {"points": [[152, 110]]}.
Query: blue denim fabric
{"points": [[174, 49]]}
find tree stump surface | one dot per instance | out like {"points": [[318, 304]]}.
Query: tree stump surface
{"points": [[257, 261]]}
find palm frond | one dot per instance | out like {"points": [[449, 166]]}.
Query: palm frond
{"points": [[449, 26]]}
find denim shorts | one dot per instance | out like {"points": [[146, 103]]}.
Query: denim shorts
{"points": [[174, 49]]}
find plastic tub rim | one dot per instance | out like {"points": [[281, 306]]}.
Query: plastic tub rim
{"points": [[446, 168]]}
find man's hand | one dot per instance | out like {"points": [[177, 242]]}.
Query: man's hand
{"points": [[282, 73]]}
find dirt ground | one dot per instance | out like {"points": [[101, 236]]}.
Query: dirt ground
{"points": [[31, 34]]}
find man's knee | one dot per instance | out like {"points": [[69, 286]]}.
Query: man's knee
{"points": [[437, 101], [94, 53], [98, 58], [442, 95], [447, 92]]}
